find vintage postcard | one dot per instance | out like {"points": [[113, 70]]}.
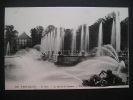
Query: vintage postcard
{"points": [[48, 48]]}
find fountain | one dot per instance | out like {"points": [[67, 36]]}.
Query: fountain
{"points": [[55, 50], [49, 44], [46, 73], [118, 37], [82, 40], [73, 46], [115, 37], [114, 53], [62, 39], [53, 42], [87, 39], [8, 49], [57, 44], [52, 39], [100, 39]]}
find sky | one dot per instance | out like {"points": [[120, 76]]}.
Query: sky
{"points": [[26, 18]]}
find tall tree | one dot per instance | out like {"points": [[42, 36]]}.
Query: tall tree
{"points": [[10, 36], [33, 35], [40, 31], [36, 34], [10, 33], [50, 28], [68, 39]]}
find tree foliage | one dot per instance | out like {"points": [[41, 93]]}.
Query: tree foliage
{"points": [[10, 33], [50, 28], [11, 36], [68, 39], [36, 34]]}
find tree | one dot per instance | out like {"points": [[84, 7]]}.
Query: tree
{"points": [[50, 28], [36, 34], [28, 43], [10, 33], [40, 31], [11, 36], [33, 36], [68, 39]]}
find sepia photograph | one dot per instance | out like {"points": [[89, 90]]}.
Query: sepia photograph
{"points": [[53, 48]]}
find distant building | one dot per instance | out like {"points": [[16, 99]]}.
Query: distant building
{"points": [[23, 41]]}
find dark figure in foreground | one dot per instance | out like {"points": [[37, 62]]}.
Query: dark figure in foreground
{"points": [[109, 80]]}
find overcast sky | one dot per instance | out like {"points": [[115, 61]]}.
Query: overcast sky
{"points": [[26, 18]]}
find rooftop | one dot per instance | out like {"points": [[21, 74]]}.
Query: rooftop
{"points": [[24, 36]]}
